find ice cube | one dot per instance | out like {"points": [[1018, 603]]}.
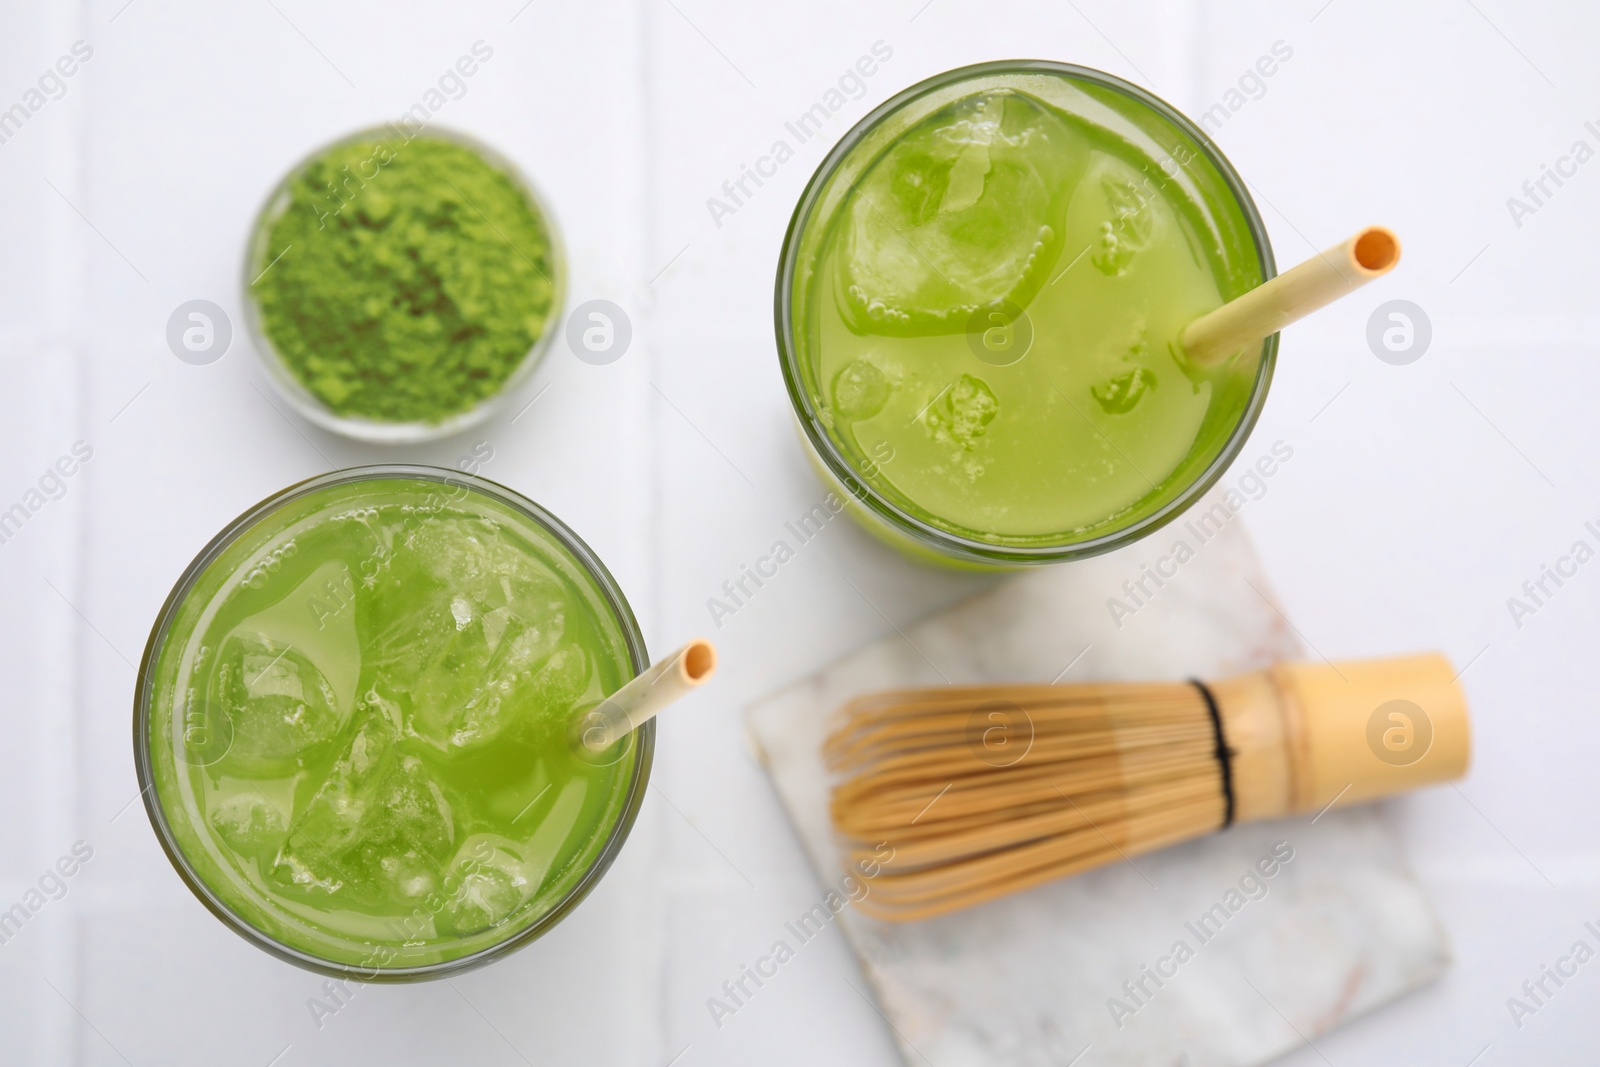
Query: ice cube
{"points": [[278, 704], [488, 881], [249, 824], [378, 828], [317, 619], [558, 683], [481, 899], [962, 413], [412, 875], [454, 575], [467, 618], [523, 691], [860, 390], [517, 688], [1119, 395], [961, 213], [1130, 218]]}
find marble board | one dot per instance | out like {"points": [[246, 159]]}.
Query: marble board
{"points": [[1062, 974]]}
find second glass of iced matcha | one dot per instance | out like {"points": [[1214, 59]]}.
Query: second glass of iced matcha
{"points": [[353, 723], [978, 307]]}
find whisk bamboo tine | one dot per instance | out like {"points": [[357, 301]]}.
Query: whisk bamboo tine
{"points": [[902, 912], [888, 797], [936, 811], [965, 734], [979, 835], [958, 729], [1131, 838], [980, 838], [860, 716], [962, 713], [935, 806], [939, 694], [979, 756], [1073, 851]]}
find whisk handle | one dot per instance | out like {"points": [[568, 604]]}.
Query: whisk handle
{"points": [[1310, 735]]}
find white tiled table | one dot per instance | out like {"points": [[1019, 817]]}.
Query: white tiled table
{"points": [[1418, 500]]}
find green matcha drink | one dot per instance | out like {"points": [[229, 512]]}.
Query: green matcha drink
{"points": [[355, 710], [978, 305], [399, 283]]}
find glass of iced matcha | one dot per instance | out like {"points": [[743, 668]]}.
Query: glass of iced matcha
{"points": [[353, 723], [978, 306]]}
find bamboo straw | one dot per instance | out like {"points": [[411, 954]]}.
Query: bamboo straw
{"points": [[1114, 770], [1247, 320], [636, 703]]}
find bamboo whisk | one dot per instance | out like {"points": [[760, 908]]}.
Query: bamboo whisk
{"points": [[986, 790]]}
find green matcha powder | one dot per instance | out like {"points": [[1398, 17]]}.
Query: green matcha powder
{"points": [[412, 279]]}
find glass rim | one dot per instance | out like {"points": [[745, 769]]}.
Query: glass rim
{"points": [[144, 686], [944, 541], [379, 431]]}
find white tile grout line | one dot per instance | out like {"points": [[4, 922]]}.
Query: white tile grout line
{"points": [[62, 1038], [58, 1035]]}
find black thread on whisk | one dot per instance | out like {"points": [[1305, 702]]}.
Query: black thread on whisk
{"points": [[1224, 755]]}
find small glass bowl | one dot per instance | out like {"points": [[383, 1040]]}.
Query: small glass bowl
{"points": [[258, 258]]}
